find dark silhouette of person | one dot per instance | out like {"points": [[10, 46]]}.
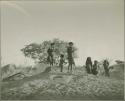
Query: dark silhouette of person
{"points": [[95, 67], [62, 61], [50, 51], [70, 56], [106, 67], [88, 65]]}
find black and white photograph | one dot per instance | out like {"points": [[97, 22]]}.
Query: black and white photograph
{"points": [[62, 49]]}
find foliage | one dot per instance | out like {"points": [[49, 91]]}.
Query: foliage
{"points": [[119, 62], [38, 52]]}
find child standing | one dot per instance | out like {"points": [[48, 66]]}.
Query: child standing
{"points": [[62, 61]]}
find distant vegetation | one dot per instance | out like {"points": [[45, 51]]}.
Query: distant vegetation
{"points": [[119, 62]]}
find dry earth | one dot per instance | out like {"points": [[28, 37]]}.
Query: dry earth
{"points": [[56, 85]]}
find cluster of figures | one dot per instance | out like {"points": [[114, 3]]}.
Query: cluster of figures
{"points": [[90, 67], [93, 68], [70, 59]]}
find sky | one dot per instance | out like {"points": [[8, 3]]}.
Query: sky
{"points": [[95, 26]]}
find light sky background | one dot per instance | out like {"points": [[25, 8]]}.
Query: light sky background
{"points": [[95, 26]]}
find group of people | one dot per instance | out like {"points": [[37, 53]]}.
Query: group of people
{"points": [[90, 67], [93, 68], [70, 59]]}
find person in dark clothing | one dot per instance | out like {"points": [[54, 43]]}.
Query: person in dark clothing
{"points": [[50, 51], [88, 65], [62, 61], [70, 56], [106, 67], [95, 67]]}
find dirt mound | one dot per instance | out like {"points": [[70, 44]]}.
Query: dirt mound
{"points": [[55, 85], [67, 87]]}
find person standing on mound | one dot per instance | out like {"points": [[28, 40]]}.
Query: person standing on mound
{"points": [[70, 52], [89, 65], [106, 67], [50, 58], [95, 67]]}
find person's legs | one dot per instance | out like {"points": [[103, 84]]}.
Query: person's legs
{"points": [[92, 71], [68, 67], [108, 73], [68, 64], [96, 72], [105, 73], [61, 68], [71, 68], [88, 69], [71, 63], [52, 60]]}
